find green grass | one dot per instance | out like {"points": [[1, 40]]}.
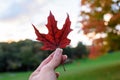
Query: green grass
{"points": [[15, 76], [106, 67]]}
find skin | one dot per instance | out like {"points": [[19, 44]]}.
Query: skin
{"points": [[46, 70]]}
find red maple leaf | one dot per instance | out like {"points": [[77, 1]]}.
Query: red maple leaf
{"points": [[55, 37]]}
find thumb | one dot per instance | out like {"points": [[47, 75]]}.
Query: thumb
{"points": [[57, 58]]}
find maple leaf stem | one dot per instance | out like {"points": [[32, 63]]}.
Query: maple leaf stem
{"points": [[63, 67]]}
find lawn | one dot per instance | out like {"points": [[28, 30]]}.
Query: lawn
{"points": [[106, 67]]}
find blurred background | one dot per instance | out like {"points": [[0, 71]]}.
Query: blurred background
{"points": [[94, 51]]}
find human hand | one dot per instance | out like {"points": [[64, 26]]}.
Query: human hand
{"points": [[46, 70]]}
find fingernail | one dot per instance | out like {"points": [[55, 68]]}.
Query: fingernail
{"points": [[66, 56], [58, 52]]}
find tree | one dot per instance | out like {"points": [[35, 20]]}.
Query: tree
{"points": [[20, 56], [80, 51], [102, 18]]}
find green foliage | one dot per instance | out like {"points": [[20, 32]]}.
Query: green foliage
{"points": [[19, 56], [76, 53], [114, 41], [26, 55], [106, 67], [80, 51]]}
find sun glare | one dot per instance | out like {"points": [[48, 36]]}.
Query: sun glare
{"points": [[107, 17]]}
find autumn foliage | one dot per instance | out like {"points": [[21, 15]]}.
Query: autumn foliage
{"points": [[102, 17], [55, 37]]}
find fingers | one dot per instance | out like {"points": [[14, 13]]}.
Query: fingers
{"points": [[47, 60], [64, 58], [57, 74], [57, 58], [54, 60], [51, 62]]}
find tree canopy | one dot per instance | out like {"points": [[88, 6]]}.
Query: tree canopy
{"points": [[26, 55], [102, 19]]}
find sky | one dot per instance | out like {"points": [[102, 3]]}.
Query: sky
{"points": [[16, 17]]}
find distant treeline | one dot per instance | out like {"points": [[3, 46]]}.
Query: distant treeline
{"points": [[26, 55]]}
